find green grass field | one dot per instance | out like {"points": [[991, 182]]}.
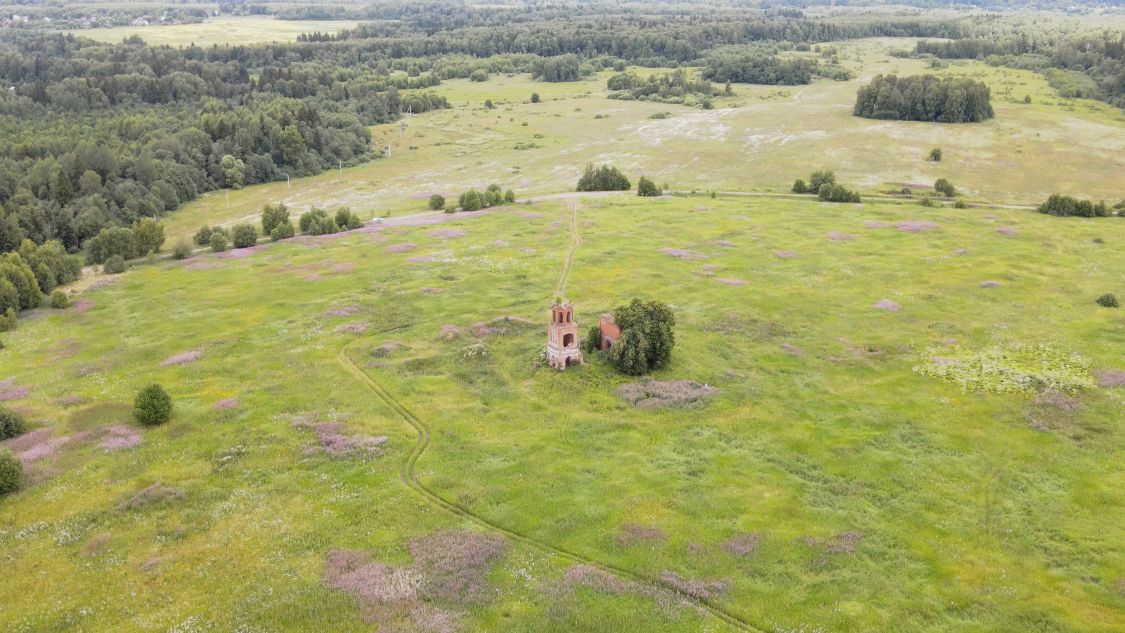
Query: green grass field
{"points": [[760, 140], [379, 392], [874, 498], [219, 30]]}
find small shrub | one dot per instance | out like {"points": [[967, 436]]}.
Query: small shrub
{"points": [[218, 242], [282, 231], [11, 424], [1108, 300], [479, 74], [960, 204], [821, 178], [944, 187], [799, 186], [437, 202], [935, 155], [535, 97], [11, 473], [203, 236], [647, 188], [830, 192], [509, 197], [926, 201], [182, 250], [114, 265], [153, 406], [59, 300], [488, 104], [244, 236]]}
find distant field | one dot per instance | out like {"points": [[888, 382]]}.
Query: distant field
{"points": [[825, 486], [220, 30], [760, 140]]}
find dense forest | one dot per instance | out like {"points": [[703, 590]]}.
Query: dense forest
{"points": [[98, 135], [924, 98]]}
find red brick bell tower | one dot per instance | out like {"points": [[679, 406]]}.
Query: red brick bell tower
{"points": [[562, 337]]}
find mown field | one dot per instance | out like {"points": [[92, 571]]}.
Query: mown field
{"points": [[760, 140], [824, 484], [219, 30]]}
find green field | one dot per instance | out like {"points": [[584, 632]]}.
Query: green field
{"points": [[760, 140], [369, 409], [871, 497], [219, 30]]}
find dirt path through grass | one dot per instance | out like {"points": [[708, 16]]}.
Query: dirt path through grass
{"points": [[422, 429]]}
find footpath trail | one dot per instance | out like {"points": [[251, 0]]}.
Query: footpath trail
{"points": [[423, 436]]}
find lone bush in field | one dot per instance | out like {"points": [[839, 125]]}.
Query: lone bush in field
{"points": [[647, 337], [1108, 300], [945, 188], [799, 186], [647, 188], [182, 250], [11, 424], [11, 473], [935, 155], [437, 202], [203, 236], [59, 300], [153, 406], [244, 236], [114, 265], [218, 242], [535, 97]]}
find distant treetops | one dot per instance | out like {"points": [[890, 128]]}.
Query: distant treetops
{"points": [[924, 98]]}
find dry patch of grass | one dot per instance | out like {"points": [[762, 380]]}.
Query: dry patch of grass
{"points": [[656, 394]]}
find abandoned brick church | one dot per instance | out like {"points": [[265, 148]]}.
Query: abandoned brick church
{"points": [[562, 336]]}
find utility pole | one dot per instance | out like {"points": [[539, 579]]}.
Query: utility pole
{"points": [[288, 184]]}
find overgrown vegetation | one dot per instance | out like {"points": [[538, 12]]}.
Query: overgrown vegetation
{"points": [[473, 200], [647, 337], [1060, 205], [677, 87]]}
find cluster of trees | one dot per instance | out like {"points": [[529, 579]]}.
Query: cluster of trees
{"points": [[560, 68], [317, 221], [1081, 64], [473, 200], [647, 337], [823, 184], [1060, 205], [604, 178], [678, 87], [924, 98], [30, 273], [742, 64], [144, 237]]}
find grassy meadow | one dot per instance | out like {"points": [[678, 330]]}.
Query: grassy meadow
{"points": [[760, 140], [250, 29], [824, 486], [365, 438]]}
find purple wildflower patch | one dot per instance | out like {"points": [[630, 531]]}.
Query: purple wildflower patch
{"points": [[119, 437], [454, 563], [916, 226], [682, 254], [887, 305], [1111, 378], [182, 358], [399, 248]]}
